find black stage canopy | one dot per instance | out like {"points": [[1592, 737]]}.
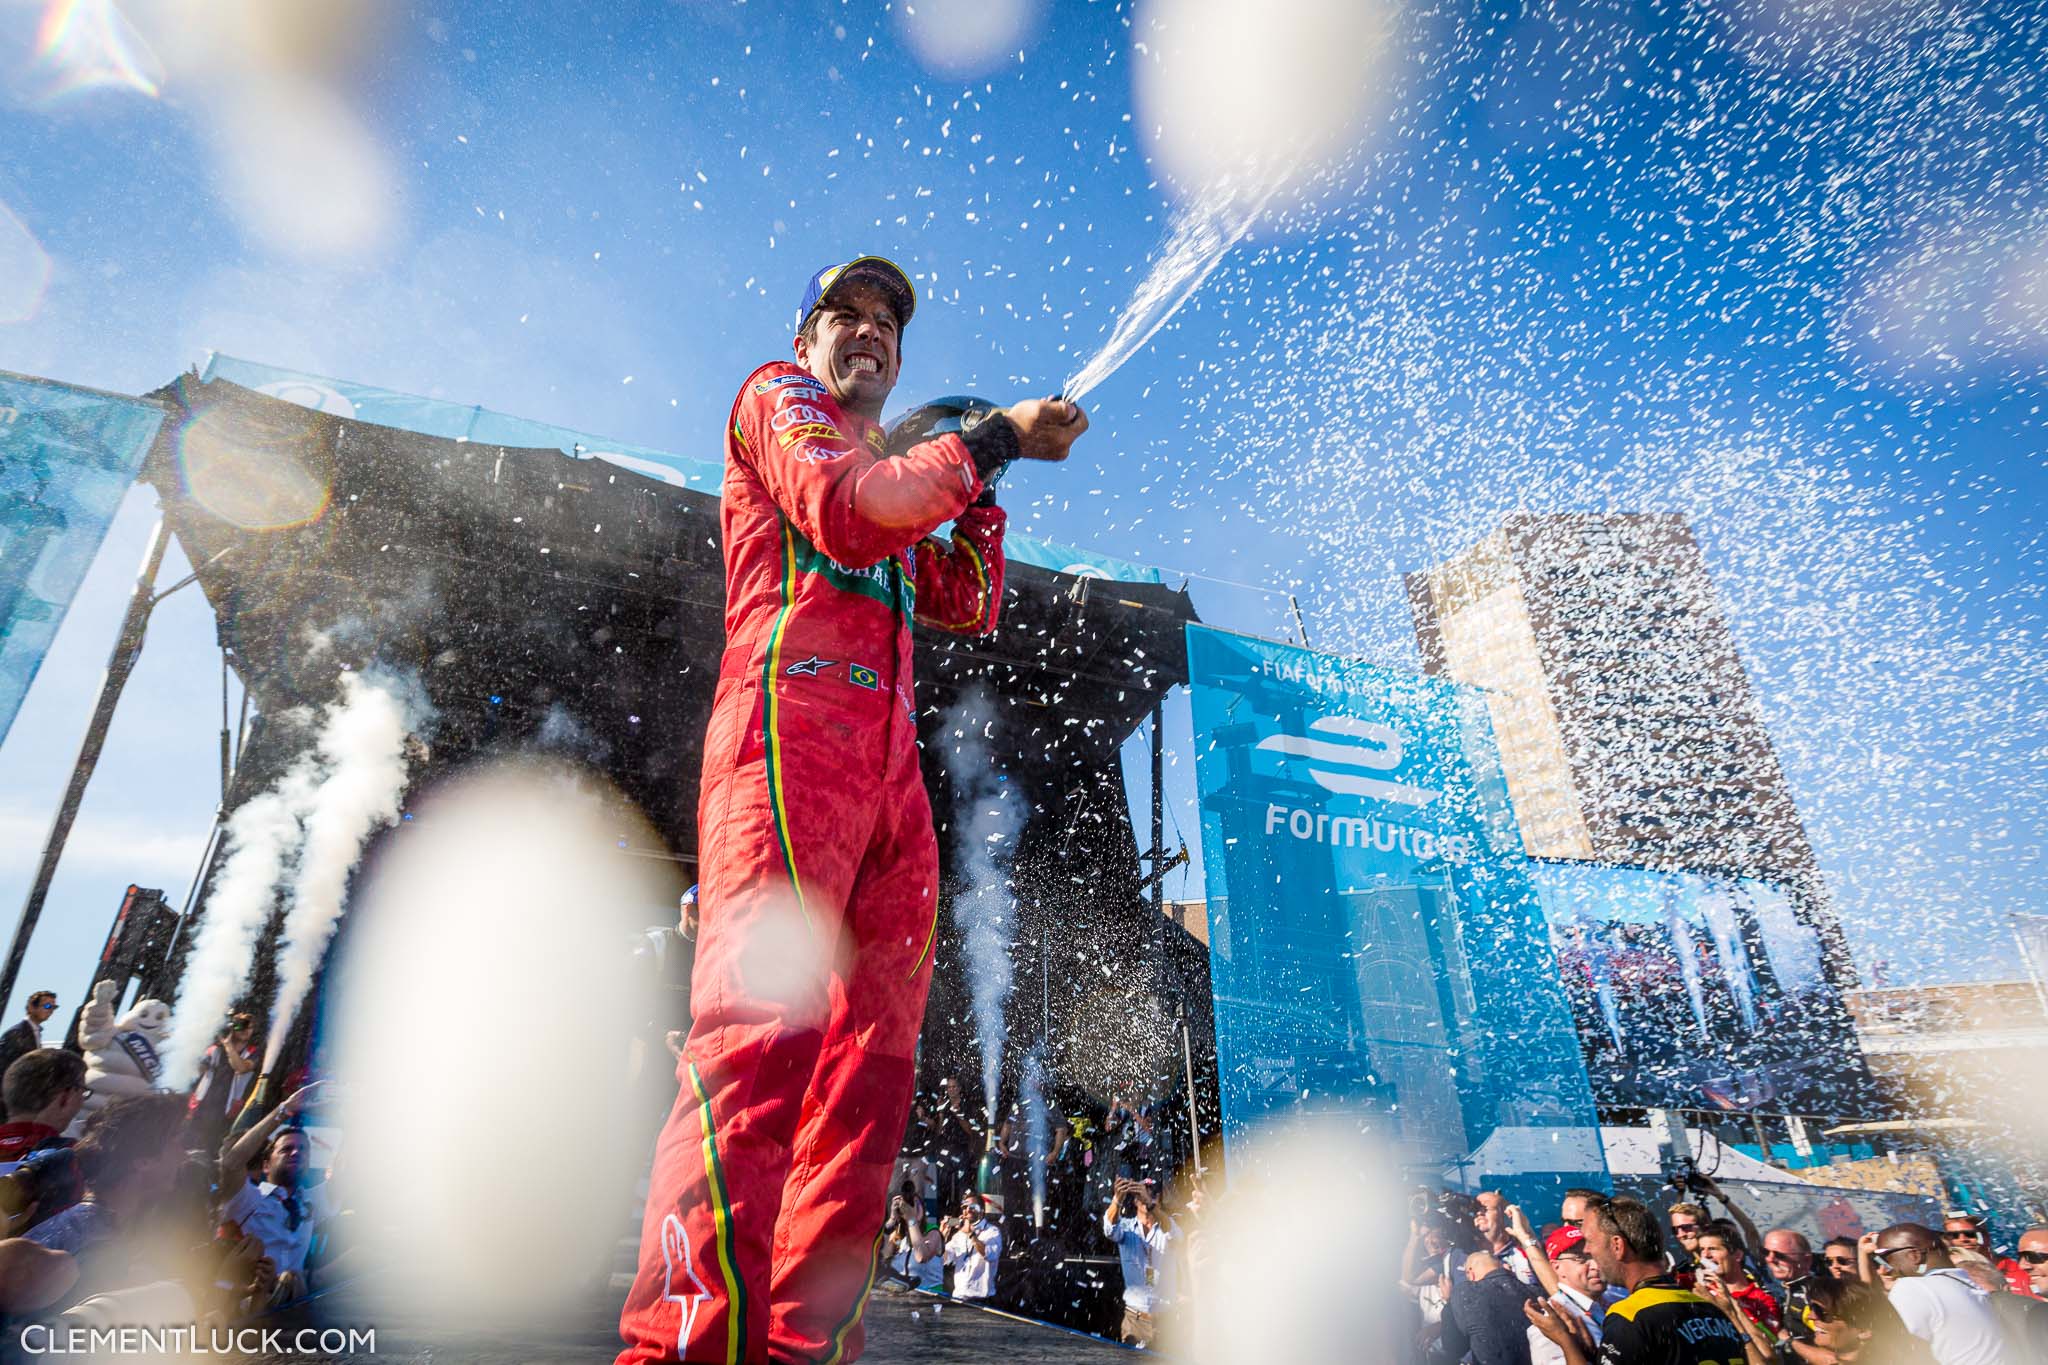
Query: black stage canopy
{"points": [[568, 604]]}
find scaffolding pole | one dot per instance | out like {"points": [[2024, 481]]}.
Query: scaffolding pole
{"points": [[120, 663]]}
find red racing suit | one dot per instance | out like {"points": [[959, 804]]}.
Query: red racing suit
{"points": [[819, 874]]}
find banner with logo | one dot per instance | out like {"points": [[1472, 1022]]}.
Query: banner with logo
{"points": [[466, 422], [1377, 947], [67, 458]]}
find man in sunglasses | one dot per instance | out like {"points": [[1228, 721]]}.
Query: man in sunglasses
{"points": [[1686, 1221], [1962, 1231], [1940, 1304], [1788, 1257], [2033, 1258], [1838, 1255], [27, 1035]]}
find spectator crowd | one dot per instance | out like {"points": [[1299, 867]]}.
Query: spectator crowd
{"points": [[1096, 1188], [183, 1210], [1611, 1280]]}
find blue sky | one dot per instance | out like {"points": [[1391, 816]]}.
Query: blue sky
{"points": [[1788, 275]]}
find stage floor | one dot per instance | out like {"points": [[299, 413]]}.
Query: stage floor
{"points": [[904, 1328]]}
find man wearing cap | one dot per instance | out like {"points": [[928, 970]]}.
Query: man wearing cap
{"points": [[817, 859]]}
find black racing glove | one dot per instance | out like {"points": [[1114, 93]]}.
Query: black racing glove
{"points": [[992, 441]]}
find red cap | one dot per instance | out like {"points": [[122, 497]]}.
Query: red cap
{"points": [[1557, 1242]]}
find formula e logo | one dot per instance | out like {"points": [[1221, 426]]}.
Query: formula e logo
{"points": [[1338, 747]]}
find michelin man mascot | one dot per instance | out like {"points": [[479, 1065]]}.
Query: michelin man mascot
{"points": [[122, 1055]]}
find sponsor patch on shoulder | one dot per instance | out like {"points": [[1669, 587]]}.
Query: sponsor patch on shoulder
{"points": [[783, 381], [791, 409], [821, 431]]}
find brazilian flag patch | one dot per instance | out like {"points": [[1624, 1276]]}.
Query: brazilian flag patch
{"points": [[860, 675]]}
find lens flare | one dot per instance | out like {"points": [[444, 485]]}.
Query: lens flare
{"points": [[279, 479], [90, 45], [24, 269]]}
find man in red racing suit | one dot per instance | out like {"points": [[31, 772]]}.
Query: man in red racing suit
{"points": [[817, 864]]}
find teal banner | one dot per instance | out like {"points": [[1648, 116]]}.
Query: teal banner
{"points": [[67, 458], [1377, 946], [463, 422]]}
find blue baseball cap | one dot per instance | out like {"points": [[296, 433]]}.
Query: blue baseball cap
{"points": [[877, 270]]}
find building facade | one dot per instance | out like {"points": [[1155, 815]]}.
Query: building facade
{"points": [[1625, 718]]}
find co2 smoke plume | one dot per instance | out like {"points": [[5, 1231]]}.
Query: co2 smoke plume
{"points": [[984, 910], [309, 829]]}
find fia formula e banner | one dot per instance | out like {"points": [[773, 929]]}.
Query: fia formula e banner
{"points": [[67, 457], [1376, 945]]}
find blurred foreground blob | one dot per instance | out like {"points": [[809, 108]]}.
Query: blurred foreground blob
{"points": [[482, 1030], [1255, 95], [1318, 1182], [967, 37], [271, 87]]}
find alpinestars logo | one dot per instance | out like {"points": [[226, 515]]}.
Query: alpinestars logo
{"points": [[1339, 751], [675, 1254]]}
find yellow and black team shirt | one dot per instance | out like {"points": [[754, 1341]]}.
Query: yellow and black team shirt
{"points": [[1661, 1324]]}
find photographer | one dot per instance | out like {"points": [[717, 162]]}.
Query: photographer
{"points": [[915, 1250], [226, 1071], [956, 1141], [1131, 1222], [1696, 1216], [974, 1248]]}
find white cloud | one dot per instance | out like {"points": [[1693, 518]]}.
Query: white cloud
{"points": [[132, 849]]}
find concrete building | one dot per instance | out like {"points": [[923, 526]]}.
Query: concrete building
{"points": [[1624, 715], [1950, 1050]]}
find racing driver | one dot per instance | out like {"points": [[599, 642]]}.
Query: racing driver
{"points": [[817, 861]]}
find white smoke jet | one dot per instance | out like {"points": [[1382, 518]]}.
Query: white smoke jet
{"points": [[261, 839], [1036, 1137], [984, 910], [362, 742]]}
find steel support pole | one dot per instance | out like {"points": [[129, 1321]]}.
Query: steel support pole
{"points": [[1300, 625], [1158, 808], [120, 663]]}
